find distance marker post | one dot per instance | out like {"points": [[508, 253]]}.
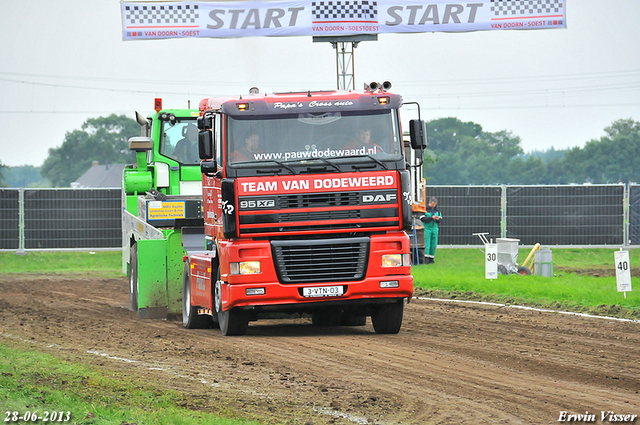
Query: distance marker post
{"points": [[623, 271], [491, 261]]}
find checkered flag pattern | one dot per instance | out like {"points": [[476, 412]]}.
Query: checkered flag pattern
{"points": [[345, 10], [525, 7], [165, 14]]}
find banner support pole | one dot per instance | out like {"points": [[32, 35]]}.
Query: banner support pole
{"points": [[345, 56]]}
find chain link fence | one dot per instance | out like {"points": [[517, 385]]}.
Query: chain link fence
{"points": [[570, 215], [567, 215], [60, 219]]}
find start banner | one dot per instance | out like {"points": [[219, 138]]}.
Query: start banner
{"points": [[213, 19]]}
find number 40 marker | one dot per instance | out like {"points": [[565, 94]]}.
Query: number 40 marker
{"points": [[623, 271]]}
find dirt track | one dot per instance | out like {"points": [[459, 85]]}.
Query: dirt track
{"points": [[450, 363]]}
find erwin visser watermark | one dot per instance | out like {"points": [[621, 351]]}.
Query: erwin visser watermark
{"points": [[604, 416]]}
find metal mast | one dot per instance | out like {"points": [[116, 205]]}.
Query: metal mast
{"points": [[345, 57]]}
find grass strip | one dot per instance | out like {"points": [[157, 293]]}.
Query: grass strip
{"points": [[106, 263], [32, 381], [584, 278], [459, 274]]}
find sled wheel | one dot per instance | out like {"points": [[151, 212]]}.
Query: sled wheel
{"points": [[524, 271]]}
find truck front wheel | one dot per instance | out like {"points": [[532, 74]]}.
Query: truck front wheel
{"points": [[233, 321], [190, 317], [387, 318]]}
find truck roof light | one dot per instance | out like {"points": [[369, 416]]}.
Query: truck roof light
{"points": [[242, 106], [157, 104], [383, 100], [168, 117]]}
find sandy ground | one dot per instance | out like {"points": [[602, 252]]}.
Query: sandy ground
{"points": [[450, 364]]}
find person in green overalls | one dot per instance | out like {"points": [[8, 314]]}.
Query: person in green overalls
{"points": [[431, 220]]}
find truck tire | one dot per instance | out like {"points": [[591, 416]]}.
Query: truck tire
{"points": [[387, 318], [133, 277], [190, 317], [233, 321]]}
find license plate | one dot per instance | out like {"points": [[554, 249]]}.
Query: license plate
{"points": [[323, 291]]}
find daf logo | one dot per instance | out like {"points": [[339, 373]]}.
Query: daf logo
{"points": [[389, 197]]}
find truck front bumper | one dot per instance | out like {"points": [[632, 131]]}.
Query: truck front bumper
{"points": [[370, 290]]}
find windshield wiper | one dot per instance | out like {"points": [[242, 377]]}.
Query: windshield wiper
{"points": [[282, 164], [305, 162], [261, 163], [309, 167], [382, 164], [326, 161]]}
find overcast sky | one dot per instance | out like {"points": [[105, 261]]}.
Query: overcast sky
{"points": [[64, 61]]}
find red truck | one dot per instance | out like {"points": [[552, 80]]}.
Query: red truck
{"points": [[307, 200]]}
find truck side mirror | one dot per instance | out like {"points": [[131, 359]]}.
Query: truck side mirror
{"points": [[205, 144], [418, 134], [209, 168], [140, 144], [205, 122]]}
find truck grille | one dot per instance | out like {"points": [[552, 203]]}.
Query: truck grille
{"points": [[327, 260], [317, 212], [311, 200]]}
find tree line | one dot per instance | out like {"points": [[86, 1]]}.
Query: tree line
{"points": [[462, 153], [458, 153]]}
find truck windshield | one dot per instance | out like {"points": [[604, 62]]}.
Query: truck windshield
{"points": [[314, 136], [179, 141]]}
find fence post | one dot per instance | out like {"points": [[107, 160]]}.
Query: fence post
{"points": [[503, 211], [626, 204], [21, 250]]}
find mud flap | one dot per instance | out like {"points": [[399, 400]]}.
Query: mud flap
{"points": [[152, 278]]}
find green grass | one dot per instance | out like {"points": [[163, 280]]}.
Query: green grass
{"points": [[459, 273], [107, 263], [35, 382]]}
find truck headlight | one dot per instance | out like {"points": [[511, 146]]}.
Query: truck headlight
{"points": [[396, 260], [245, 267], [392, 260]]}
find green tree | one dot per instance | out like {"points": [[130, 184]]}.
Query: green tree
{"points": [[503, 143], [623, 127], [25, 176], [611, 159], [102, 139], [465, 154], [468, 155], [2, 167], [446, 134]]}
